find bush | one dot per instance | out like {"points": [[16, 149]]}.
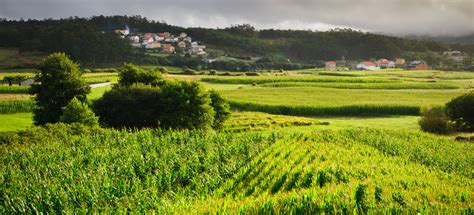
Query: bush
{"points": [[221, 108], [252, 74], [129, 107], [131, 74], [78, 112], [461, 111], [175, 105], [162, 70], [185, 105], [212, 72], [435, 120], [189, 72]]}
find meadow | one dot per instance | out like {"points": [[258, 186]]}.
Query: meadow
{"points": [[309, 142]]}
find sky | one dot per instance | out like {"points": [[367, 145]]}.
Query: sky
{"points": [[396, 17]]}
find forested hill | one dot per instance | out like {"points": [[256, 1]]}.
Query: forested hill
{"points": [[92, 40]]}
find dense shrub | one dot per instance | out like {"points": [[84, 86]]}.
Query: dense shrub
{"points": [[79, 112], [461, 111], [174, 105], [162, 70], [185, 105], [129, 107], [189, 72], [131, 74], [221, 108], [61, 81], [252, 74], [435, 120], [212, 72]]}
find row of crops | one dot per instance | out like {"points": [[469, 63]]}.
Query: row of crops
{"points": [[252, 172], [16, 106], [319, 110]]}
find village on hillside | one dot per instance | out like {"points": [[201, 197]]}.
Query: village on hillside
{"points": [[164, 42]]}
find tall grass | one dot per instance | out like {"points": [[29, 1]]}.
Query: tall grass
{"points": [[57, 172], [391, 86], [314, 110], [14, 89], [16, 106]]}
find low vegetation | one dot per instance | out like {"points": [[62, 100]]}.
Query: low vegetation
{"points": [[200, 172]]}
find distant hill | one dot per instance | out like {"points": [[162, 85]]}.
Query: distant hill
{"points": [[92, 40], [466, 39]]}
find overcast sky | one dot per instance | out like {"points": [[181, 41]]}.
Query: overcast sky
{"points": [[421, 17]]}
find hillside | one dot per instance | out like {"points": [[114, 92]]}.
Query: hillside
{"points": [[83, 40]]}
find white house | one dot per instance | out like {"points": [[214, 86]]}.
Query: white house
{"points": [[134, 39], [367, 65]]}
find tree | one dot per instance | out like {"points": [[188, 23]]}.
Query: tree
{"points": [[131, 74], [59, 81], [461, 111], [185, 105], [79, 112], [9, 79], [221, 109]]}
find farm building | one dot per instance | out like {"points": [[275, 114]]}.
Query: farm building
{"points": [[417, 65], [399, 61], [27, 82], [384, 63], [367, 65], [331, 65]]}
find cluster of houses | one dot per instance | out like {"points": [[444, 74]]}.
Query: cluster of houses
{"points": [[164, 42], [380, 64]]}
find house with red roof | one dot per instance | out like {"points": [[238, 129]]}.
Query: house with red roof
{"points": [[384, 63], [168, 48], [418, 65], [181, 44], [331, 65]]}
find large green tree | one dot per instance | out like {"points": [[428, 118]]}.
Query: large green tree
{"points": [[59, 81]]}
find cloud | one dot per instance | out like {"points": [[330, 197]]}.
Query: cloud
{"points": [[421, 17]]}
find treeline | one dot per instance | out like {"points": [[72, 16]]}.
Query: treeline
{"points": [[79, 38], [91, 40]]}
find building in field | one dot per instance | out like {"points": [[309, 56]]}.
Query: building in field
{"points": [[384, 63], [399, 61], [331, 65], [367, 65], [27, 82], [418, 65]]}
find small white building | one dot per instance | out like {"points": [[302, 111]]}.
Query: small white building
{"points": [[134, 39], [27, 82], [367, 65]]}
